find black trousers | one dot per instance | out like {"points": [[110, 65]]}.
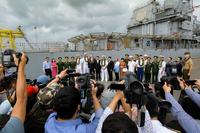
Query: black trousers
{"points": [[116, 76], [91, 70], [110, 74], [98, 74], [48, 72], [147, 77], [154, 77]]}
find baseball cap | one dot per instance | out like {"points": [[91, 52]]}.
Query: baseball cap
{"points": [[42, 79]]}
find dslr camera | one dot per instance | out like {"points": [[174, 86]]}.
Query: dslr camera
{"points": [[84, 82], [8, 60]]}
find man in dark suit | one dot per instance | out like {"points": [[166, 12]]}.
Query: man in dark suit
{"points": [[91, 64], [98, 68], [110, 68]]}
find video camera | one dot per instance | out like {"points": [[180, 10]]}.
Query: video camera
{"points": [[172, 80], [84, 82], [69, 79], [8, 60]]}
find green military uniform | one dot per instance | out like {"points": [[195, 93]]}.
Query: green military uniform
{"points": [[147, 72], [60, 66], [155, 69], [67, 65], [126, 61], [73, 65]]}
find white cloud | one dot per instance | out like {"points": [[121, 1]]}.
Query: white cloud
{"points": [[57, 20]]}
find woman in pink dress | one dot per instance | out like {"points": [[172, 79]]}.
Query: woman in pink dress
{"points": [[54, 67]]}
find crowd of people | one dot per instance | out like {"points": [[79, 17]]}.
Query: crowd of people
{"points": [[52, 105], [148, 69]]}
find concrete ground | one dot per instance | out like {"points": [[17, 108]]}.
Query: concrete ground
{"points": [[196, 69]]}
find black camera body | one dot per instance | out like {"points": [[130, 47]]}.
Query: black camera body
{"points": [[134, 92], [8, 60], [84, 82], [172, 80], [117, 86]]}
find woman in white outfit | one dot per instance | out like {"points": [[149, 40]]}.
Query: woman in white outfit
{"points": [[84, 64]]}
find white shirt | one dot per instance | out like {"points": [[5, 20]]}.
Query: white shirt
{"points": [[46, 65], [159, 128], [131, 66], [163, 65]]}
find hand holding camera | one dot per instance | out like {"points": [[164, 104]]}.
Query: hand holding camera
{"points": [[93, 90], [10, 58], [20, 61], [167, 88]]}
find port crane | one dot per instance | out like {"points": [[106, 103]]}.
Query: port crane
{"points": [[12, 35]]}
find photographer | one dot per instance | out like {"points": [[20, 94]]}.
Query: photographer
{"points": [[189, 124], [66, 105], [131, 113], [154, 109], [15, 124], [111, 108]]}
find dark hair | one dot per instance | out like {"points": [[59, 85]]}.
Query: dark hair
{"points": [[152, 105], [7, 82], [100, 89], [66, 102], [67, 57], [187, 53], [119, 123], [191, 108], [59, 57]]}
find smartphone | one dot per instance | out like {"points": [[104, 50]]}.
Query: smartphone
{"points": [[71, 71], [190, 82], [115, 86]]}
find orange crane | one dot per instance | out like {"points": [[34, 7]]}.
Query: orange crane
{"points": [[12, 35]]}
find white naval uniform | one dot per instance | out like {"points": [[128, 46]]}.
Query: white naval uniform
{"points": [[104, 72], [131, 66], [161, 71], [78, 67]]}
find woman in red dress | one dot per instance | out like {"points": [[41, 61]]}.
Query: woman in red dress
{"points": [[54, 68]]}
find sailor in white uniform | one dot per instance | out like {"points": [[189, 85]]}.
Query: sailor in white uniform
{"points": [[132, 65], [162, 66], [104, 71]]}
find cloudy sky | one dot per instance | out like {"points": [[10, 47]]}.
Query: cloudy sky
{"points": [[58, 20]]}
